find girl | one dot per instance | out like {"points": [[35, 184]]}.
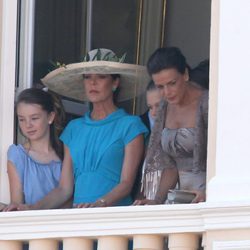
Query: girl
{"points": [[34, 168]]}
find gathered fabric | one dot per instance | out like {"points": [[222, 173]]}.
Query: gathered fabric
{"points": [[97, 149]]}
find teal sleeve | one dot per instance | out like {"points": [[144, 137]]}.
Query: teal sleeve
{"points": [[66, 135], [134, 128]]}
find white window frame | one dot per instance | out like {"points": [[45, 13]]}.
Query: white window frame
{"points": [[8, 30]]}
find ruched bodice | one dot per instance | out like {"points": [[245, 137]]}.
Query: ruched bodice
{"points": [[179, 145]]}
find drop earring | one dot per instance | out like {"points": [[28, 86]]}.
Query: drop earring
{"points": [[113, 89]]}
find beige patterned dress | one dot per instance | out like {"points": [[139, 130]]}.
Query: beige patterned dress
{"points": [[183, 148]]}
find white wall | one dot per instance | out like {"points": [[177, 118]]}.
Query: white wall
{"points": [[8, 14], [232, 180]]}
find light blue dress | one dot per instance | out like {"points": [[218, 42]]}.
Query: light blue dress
{"points": [[97, 149], [37, 179]]}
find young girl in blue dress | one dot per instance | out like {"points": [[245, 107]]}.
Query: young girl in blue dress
{"points": [[34, 168]]}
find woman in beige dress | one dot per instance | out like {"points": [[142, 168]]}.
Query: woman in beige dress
{"points": [[176, 153]]}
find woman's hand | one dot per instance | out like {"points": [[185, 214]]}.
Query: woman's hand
{"points": [[145, 202], [98, 203], [2, 206], [200, 196]]}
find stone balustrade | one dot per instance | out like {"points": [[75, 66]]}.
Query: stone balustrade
{"points": [[181, 227]]}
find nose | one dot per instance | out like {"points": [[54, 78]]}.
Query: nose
{"points": [[166, 92], [92, 80], [153, 111], [28, 123]]}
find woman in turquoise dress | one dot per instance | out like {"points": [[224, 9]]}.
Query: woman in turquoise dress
{"points": [[105, 153], [102, 149]]}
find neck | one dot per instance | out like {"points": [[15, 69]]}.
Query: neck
{"points": [[187, 96], [42, 145], [101, 111]]}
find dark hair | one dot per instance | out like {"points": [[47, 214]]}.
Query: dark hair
{"points": [[151, 86], [200, 74], [117, 91], [115, 76], [166, 58], [50, 103]]}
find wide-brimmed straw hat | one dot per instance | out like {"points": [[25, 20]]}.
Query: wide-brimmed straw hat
{"points": [[68, 80]]}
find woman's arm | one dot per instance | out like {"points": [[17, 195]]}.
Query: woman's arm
{"points": [[133, 154], [168, 181]]}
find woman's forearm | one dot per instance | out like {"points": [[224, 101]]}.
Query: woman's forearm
{"points": [[168, 181], [119, 192]]}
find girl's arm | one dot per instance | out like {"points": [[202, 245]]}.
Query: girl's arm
{"points": [[58, 196], [16, 188], [55, 199]]}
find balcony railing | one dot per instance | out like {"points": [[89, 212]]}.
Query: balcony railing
{"points": [[182, 227]]}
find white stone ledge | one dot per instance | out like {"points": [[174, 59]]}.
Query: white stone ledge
{"points": [[128, 221], [226, 215]]}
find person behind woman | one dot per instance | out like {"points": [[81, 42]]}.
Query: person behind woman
{"points": [[153, 98], [200, 74], [105, 146], [34, 168], [177, 147]]}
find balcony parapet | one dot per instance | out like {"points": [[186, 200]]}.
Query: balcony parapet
{"points": [[124, 221]]}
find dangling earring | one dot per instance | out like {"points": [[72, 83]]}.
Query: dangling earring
{"points": [[113, 89]]}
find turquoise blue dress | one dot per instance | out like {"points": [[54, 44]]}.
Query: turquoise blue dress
{"points": [[97, 150]]}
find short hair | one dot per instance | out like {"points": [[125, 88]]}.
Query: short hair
{"points": [[151, 86], [166, 58], [200, 74]]}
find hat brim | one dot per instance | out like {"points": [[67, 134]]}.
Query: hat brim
{"points": [[68, 81]]}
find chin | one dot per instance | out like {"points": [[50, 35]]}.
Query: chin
{"points": [[172, 102], [93, 99]]}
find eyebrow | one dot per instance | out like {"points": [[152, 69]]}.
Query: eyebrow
{"points": [[174, 80], [30, 115]]}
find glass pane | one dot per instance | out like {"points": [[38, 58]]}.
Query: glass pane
{"points": [[59, 25], [61, 32], [114, 26]]}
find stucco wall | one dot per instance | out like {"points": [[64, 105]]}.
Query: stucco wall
{"points": [[232, 176], [1, 11], [228, 239]]}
